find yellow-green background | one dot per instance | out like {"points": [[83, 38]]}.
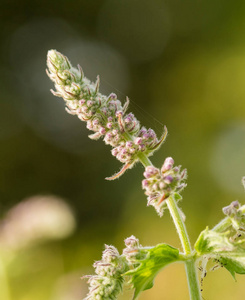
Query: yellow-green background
{"points": [[183, 64]]}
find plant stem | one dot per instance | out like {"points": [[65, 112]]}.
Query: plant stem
{"points": [[223, 225], [190, 267], [193, 284], [144, 160], [179, 224]]}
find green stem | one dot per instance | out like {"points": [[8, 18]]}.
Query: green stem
{"points": [[144, 160], [193, 284], [179, 224], [223, 225], [190, 267]]}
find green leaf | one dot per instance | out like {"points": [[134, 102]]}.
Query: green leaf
{"points": [[234, 262], [217, 246], [210, 241], [157, 258]]}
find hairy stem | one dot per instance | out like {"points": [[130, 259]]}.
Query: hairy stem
{"points": [[179, 224], [192, 279], [190, 267], [223, 225]]}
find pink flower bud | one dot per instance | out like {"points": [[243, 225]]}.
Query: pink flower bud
{"points": [[114, 151], [102, 130], [82, 101], [168, 179], [145, 183], [138, 141], [90, 103]]}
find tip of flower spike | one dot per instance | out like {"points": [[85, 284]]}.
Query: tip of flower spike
{"points": [[56, 61], [52, 53], [120, 173]]}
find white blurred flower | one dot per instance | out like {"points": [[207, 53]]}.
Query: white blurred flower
{"points": [[36, 219]]}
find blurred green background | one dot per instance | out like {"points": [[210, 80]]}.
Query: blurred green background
{"points": [[183, 64]]}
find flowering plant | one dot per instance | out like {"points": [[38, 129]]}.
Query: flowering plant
{"points": [[137, 265]]}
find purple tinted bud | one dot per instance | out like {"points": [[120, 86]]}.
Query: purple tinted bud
{"points": [[124, 151], [146, 174], [145, 183], [152, 170], [119, 113], [90, 103], [168, 179], [84, 109], [168, 164], [114, 151], [132, 242], [109, 125], [109, 135], [102, 130], [169, 160], [143, 131], [142, 147], [96, 122], [129, 144], [114, 131], [117, 138], [151, 133], [79, 110], [120, 148], [110, 253], [122, 158], [112, 96], [130, 115], [110, 119], [138, 141], [127, 120], [231, 210], [89, 125], [82, 101], [146, 136]]}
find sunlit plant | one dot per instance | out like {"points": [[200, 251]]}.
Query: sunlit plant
{"points": [[107, 117]]}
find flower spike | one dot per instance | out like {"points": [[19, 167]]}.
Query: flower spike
{"points": [[105, 115]]}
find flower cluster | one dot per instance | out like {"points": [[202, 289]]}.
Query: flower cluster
{"points": [[108, 281], [133, 252], [160, 184], [105, 116], [236, 214]]}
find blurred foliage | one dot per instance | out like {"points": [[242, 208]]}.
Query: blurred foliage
{"points": [[182, 64]]}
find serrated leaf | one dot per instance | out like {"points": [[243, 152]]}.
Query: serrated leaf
{"points": [[156, 259], [217, 246]]}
